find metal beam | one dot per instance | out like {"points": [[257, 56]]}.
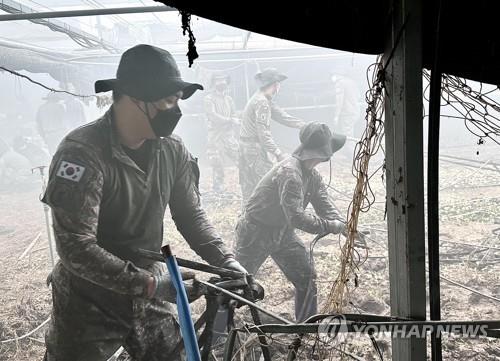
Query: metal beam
{"points": [[404, 171], [81, 37], [30, 15], [433, 195]]}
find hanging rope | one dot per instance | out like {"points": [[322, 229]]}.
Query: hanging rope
{"points": [[363, 198]]}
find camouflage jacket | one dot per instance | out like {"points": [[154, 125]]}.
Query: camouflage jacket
{"points": [[220, 111], [105, 207], [281, 197], [256, 122]]}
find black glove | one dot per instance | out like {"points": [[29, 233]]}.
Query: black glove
{"points": [[165, 290], [234, 265]]}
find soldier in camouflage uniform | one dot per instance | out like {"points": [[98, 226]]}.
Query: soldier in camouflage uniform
{"points": [[257, 147], [109, 185], [347, 116], [221, 116], [277, 207]]}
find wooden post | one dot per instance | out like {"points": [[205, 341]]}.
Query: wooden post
{"points": [[404, 171]]}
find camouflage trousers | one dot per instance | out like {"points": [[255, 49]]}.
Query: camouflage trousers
{"points": [[253, 165], [255, 243], [89, 323], [222, 149]]}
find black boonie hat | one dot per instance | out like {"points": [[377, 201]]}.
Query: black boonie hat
{"points": [[318, 142], [269, 76], [147, 73]]}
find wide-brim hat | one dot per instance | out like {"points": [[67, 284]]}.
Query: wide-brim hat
{"points": [[318, 142], [149, 74], [269, 76]]}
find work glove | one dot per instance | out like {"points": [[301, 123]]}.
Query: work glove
{"points": [[234, 265], [335, 227], [165, 290], [360, 240]]}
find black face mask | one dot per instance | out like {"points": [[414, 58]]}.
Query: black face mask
{"points": [[165, 121]]}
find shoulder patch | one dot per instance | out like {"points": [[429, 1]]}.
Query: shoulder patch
{"points": [[70, 171]]}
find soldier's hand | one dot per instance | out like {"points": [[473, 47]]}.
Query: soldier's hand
{"points": [[280, 155], [360, 240], [335, 227], [194, 290], [164, 289], [234, 265]]}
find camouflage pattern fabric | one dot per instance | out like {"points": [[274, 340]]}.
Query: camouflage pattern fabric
{"points": [[222, 147], [257, 147], [255, 243], [253, 164], [90, 323], [104, 207], [267, 227]]}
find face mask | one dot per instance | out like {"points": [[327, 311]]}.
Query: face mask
{"points": [[165, 121]]}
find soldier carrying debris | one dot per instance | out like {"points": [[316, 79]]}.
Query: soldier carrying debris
{"points": [[110, 183], [277, 207], [221, 114], [256, 141]]}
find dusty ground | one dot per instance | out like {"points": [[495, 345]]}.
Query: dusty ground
{"points": [[470, 212]]}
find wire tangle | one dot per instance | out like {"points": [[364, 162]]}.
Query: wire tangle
{"points": [[477, 104], [370, 144], [102, 101]]}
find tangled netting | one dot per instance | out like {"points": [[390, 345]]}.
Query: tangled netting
{"points": [[371, 143], [477, 104]]}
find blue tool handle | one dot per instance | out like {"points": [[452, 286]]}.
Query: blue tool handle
{"points": [[186, 322]]}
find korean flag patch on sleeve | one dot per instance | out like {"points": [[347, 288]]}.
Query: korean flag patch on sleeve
{"points": [[70, 171]]}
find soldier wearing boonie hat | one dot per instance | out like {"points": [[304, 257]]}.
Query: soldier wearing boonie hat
{"points": [[256, 145], [277, 207], [109, 185]]}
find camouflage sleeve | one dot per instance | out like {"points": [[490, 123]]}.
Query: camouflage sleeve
{"points": [[74, 194], [292, 202], [282, 117], [190, 219], [263, 125], [212, 115], [321, 200]]}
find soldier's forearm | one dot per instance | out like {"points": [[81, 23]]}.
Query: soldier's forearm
{"points": [[308, 223], [87, 260]]}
